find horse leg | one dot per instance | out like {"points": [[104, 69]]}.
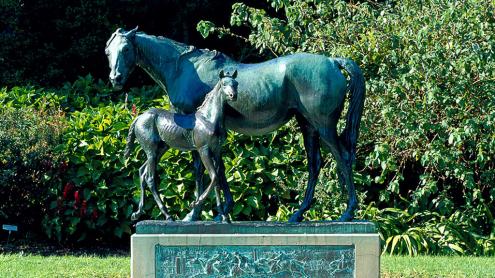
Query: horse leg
{"points": [[312, 146], [195, 213], [142, 178], [351, 190], [209, 164], [344, 171], [229, 200], [222, 216], [151, 179]]}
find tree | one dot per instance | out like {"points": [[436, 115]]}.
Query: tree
{"points": [[427, 139]]}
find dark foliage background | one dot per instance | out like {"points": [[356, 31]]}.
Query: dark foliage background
{"points": [[50, 42]]}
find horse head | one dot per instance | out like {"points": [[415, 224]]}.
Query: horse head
{"points": [[121, 54], [228, 84]]}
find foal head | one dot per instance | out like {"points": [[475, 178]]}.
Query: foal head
{"points": [[121, 56], [228, 85]]}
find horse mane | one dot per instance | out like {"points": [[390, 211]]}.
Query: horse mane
{"points": [[181, 48], [184, 49], [111, 39], [210, 95]]}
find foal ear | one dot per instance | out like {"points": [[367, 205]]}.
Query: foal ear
{"points": [[221, 74], [234, 75], [131, 33]]}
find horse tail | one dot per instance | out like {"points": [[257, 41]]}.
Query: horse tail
{"points": [[356, 88], [130, 139]]}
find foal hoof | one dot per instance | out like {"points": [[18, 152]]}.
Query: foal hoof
{"points": [[135, 216]]}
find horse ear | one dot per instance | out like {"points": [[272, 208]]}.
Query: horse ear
{"points": [[235, 74], [131, 33], [221, 74]]}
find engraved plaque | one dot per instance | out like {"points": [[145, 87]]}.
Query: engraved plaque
{"points": [[254, 261]]}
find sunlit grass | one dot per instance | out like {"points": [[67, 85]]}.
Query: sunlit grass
{"points": [[19, 265], [437, 266]]}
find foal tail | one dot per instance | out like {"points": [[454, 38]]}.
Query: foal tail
{"points": [[356, 89], [130, 139]]}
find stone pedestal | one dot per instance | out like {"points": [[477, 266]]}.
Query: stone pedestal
{"points": [[255, 249]]}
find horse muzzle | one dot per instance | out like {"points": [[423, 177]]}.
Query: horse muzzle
{"points": [[231, 95], [117, 83], [117, 87]]}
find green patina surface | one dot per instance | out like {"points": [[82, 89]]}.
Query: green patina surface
{"points": [[255, 227], [312, 88], [254, 261]]}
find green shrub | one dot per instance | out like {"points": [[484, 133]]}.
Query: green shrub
{"points": [[60, 150], [29, 163], [95, 199], [427, 139], [425, 165], [427, 233]]}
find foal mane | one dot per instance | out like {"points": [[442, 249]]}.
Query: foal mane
{"points": [[210, 95]]}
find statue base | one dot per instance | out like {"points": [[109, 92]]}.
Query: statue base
{"points": [[255, 249]]}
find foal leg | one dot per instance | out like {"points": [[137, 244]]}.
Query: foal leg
{"points": [[344, 168], [225, 208], [151, 179], [312, 146], [199, 170], [142, 179], [207, 158]]}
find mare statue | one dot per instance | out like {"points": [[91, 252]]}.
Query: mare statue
{"points": [[157, 130], [309, 87]]}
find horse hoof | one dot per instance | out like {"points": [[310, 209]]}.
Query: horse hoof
{"points": [[218, 218], [190, 217], [169, 219], [295, 218], [346, 217], [222, 219]]}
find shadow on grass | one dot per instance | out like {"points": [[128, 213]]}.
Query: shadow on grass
{"points": [[24, 247]]}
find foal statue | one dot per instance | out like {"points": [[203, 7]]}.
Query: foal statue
{"points": [[157, 130]]}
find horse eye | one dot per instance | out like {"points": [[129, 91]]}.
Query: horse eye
{"points": [[125, 49]]}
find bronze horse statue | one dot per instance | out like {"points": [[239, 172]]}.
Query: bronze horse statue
{"points": [[157, 130], [309, 87]]}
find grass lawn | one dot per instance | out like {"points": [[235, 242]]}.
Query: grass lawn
{"points": [[16, 265], [19, 265], [428, 266]]}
